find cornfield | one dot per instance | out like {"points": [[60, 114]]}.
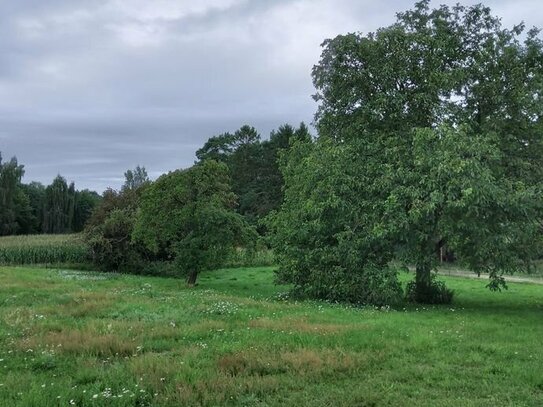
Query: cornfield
{"points": [[42, 249], [247, 258]]}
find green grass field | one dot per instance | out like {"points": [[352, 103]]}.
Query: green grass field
{"points": [[85, 339]]}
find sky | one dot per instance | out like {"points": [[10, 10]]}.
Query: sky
{"points": [[91, 88]]}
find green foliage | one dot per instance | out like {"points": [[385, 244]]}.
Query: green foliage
{"points": [[59, 207], [254, 167], [127, 199], [15, 210], [434, 293], [328, 245], [136, 178], [439, 116], [243, 257], [108, 232], [43, 250], [188, 216], [110, 243], [32, 208], [35, 192], [85, 203]]}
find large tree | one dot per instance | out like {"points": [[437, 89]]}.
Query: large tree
{"points": [[135, 178], [59, 206], [253, 164], [35, 192], [188, 216], [440, 115], [108, 231], [15, 211], [327, 236]]}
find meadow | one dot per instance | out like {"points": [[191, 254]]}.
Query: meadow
{"points": [[90, 339]]}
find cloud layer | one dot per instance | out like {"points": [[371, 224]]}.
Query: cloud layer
{"points": [[91, 88]]}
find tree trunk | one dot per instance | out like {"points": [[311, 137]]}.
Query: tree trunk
{"points": [[191, 278], [423, 282]]}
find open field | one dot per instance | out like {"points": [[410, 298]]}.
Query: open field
{"points": [[75, 338]]}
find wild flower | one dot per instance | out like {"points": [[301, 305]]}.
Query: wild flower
{"points": [[222, 308]]}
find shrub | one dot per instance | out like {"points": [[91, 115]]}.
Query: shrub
{"points": [[434, 293], [110, 243], [371, 285]]}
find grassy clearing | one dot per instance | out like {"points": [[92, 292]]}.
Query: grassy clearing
{"points": [[110, 340], [42, 250]]}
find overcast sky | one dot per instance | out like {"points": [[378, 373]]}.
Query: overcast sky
{"points": [[90, 88]]}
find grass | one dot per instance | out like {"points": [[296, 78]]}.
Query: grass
{"points": [[87, 339], [42, 250]]}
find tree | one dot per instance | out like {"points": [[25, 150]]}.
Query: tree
{"points": [[328, 243], [108, 231], [271, 181], [35, 192], [59, 206], [135, 178], [15, 210], [253, 165], [110, 244], [85, 202], [188, 216], [438, 120], [245, 167]]}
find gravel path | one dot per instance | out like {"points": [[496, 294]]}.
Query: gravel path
{"points": [[513, 279]]}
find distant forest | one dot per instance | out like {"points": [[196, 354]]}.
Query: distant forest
{"points": [[34, 208]]}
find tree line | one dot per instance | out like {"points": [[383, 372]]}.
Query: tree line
{"points": [[34, 208], [191, 220]]}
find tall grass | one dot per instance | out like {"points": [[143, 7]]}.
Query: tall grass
{"points": [[42, 249]]}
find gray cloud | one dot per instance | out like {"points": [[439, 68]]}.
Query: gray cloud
{"points": [[93, 87]]}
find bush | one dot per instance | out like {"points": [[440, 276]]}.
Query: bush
{"points": [[326, 245], [160, 269], [370, 286], [435, 293], [110, 243]]}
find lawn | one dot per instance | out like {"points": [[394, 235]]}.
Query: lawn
{"points": [[86, 339]]}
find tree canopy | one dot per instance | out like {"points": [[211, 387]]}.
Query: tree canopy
{"points": [[188, 216], [253, 164], [135, 178], [15, 210], [436, 124]]}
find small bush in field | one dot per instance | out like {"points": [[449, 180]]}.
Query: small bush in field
{"points": [[436, 293], [110, 244]]}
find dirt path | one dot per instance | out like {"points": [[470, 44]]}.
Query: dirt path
{"points": [[512, 279]]}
